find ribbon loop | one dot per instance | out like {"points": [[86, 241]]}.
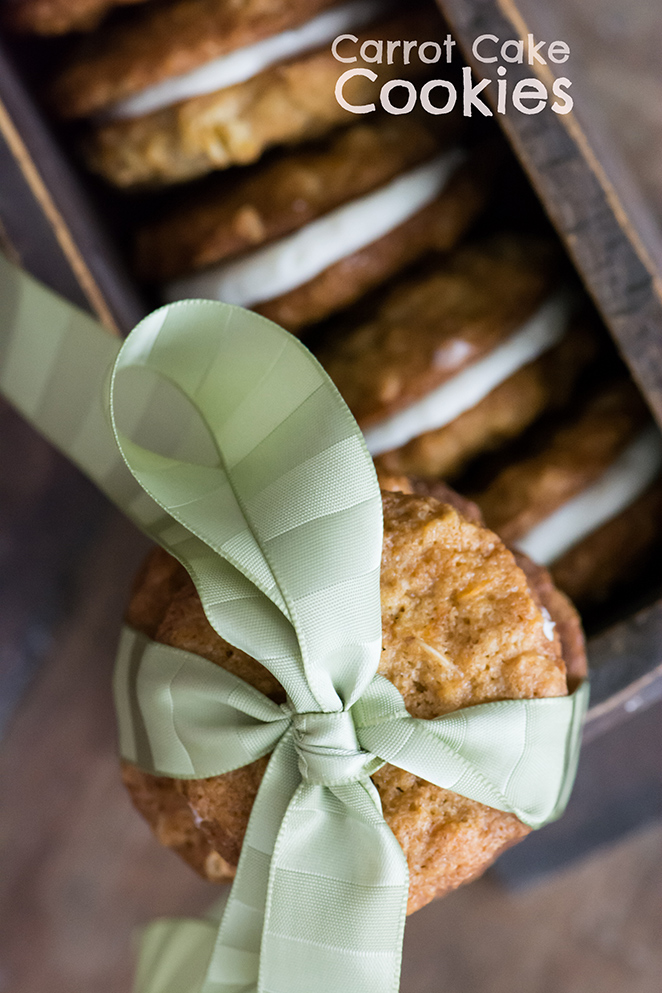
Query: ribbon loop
{"points": [[180, 715], [239, 487]]}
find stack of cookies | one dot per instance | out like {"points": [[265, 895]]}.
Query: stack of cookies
{"points": [[489, 351], [463, 623], [308, 234], [374, 236], [325, 206]]}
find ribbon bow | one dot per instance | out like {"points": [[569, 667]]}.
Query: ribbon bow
{"points": [[321, 886], [223, 438]]}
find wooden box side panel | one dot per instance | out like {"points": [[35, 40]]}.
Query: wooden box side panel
{"points": [[582, 203], [40, 184]]}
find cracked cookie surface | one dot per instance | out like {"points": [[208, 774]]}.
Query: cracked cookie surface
{"points": [[461, 626]]}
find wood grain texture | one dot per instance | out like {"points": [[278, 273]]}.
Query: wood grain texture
{"points": [[53, 194], [615, 68], [589, 213]]}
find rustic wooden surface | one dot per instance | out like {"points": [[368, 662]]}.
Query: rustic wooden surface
{"points": [[626, 670], [79, 867], [615, 67]]}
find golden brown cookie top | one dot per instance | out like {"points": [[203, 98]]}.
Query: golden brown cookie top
{"points": [[460, 625], [431, 327], [274, 199], [567, 625]]}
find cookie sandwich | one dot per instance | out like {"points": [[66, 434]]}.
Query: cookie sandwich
{"points": [[197, 86], [462, 624], [461, 357], [587, 504], [301, 237]]}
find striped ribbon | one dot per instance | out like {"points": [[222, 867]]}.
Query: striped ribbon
{"points": [[220, 435]]}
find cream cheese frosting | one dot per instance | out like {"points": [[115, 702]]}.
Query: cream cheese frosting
{"points": [[442, 405], [244, 63], [625, 480], [292, 261]]}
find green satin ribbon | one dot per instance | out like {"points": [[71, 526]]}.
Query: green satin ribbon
{"points": [[221, 436]]}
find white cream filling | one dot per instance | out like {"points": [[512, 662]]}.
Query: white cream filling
{"points": [[459, 394], [618, 487], [290, 262], [548, 624], [242, 64]]}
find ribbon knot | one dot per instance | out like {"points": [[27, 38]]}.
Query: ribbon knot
{"points": [[328, 750]]}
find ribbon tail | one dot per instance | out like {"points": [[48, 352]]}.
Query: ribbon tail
{"points": [[173, 956], [49, 349], [234, 961], [197, 956], [337, 896]]}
